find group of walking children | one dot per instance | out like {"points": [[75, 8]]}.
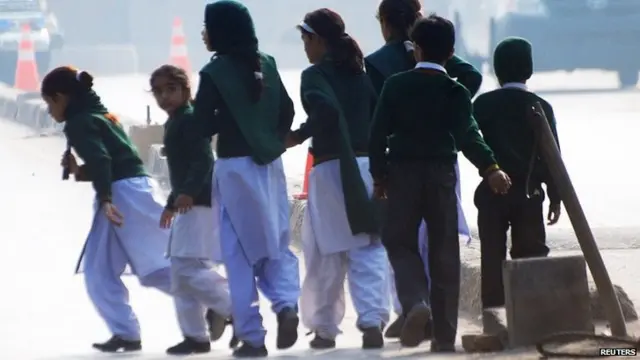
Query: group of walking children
{"points": [[383, 209]]}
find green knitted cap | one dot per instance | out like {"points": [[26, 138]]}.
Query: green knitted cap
{"points": [[513, 60], [230, 26]]}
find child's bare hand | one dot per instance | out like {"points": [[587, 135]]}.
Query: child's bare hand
{"points": [[499, 182], [554, 213], [166, 219]]}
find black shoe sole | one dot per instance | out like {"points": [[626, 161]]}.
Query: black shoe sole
{"points": [[412, 333]]}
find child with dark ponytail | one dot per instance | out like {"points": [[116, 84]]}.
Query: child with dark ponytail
{"points": [[124, 229], [340, 228], [397, 18]]}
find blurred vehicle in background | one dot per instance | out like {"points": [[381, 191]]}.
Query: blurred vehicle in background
{"points": [[566, 34], [45, 34]]}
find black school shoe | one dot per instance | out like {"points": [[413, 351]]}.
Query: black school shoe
{"points": [[248, 351], [395, 329], [442, 348], [413, 331], [320, 343], [287, 328], [216, 323], [116, 343], [372, 338], [190, 346]]}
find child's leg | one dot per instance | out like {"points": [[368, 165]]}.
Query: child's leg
{"points": [[397, 307], [190, 314], [104, 262], [367, 278], [493, 224], [247, 320], [322, 303], [441, 213], [528, 234], [197, 278]]}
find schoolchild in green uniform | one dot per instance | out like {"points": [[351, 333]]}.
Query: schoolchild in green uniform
{"points": [[241, 98], [340, 230], [125, 228], [502, 117], [189, 213], [424, 117], [396, 19]]}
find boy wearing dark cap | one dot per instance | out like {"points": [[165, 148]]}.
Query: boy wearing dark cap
{"points": [[424, 117], [502, 117]]}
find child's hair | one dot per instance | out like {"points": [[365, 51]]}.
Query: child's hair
{"points": [[231, 32], [173, 73], [66, 80], [400, 16], [345, 51], [436, 37]]}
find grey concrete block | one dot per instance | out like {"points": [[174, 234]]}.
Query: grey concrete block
{"points": [[546, 296]]}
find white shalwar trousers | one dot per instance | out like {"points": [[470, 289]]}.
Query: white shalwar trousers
{"points": [[332, 253], [139, 244], [196, 287]]}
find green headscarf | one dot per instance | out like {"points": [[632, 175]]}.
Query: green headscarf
{"points": [[230, 27]]}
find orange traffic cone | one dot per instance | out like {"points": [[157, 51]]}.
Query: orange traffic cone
{"points": [[27, 78], [305, 185], [178, 54]]}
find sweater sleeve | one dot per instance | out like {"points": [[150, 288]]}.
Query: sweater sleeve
{"points": [[200, 159], [320, 111], [552, 189], [380, 131], [377, 80], [465, 74], [466, 132], [205, 106], [287, 112], [84, 135]]}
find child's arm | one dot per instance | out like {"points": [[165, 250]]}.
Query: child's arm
{"points": [[287, 112], [465, 74], [205, 107], [552, 190], [377, 80], [380, 131], [467, 134], [84, 135], [320, 111], [200, 158]]}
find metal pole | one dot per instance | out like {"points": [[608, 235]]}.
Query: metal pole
{"points": [[551, 155], [148, 115]]}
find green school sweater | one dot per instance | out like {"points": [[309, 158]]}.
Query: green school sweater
{"points": [[426, 116], [502, 117], [223, 106], [104, 147], [189, 158], [339, 106], [393, 58], [356, 101]]}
